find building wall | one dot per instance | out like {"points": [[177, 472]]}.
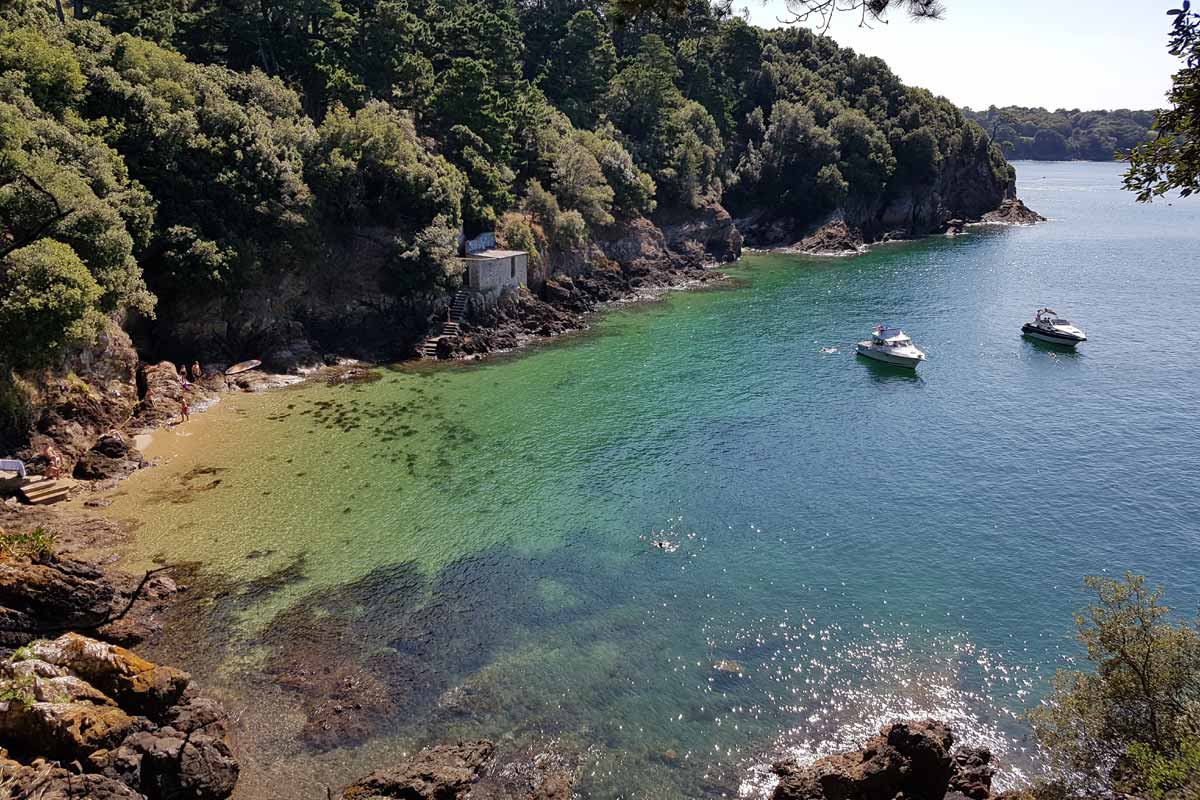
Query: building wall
{"points": [[498, 274]]}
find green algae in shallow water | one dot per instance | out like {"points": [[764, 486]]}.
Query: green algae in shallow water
{"points": [[864, 545]]}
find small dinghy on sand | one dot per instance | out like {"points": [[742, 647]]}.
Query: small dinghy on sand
{"points": [[243, 366]]}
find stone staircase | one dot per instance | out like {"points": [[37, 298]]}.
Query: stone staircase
{"points": [[43, 491], [451, 327]]}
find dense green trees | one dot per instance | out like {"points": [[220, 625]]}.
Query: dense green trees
{"points": [[195, 151], [1041, 135]]}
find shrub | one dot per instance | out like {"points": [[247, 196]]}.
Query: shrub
{"points": [[1134, 719], [47, 304], [37, 543]]}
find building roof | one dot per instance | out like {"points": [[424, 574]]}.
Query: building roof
{"points": [[486, 255]]}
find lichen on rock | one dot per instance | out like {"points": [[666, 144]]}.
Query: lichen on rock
{"points": [[126, 727]]}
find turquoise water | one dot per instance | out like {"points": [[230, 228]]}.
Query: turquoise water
{"points": [[471, 543]]}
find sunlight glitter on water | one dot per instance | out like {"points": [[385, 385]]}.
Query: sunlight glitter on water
{"points": [[850, 544]]}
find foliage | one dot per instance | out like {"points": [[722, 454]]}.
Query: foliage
{"points": [[48, 303], [869, 12], [34, 544], [1065, 134], [582, 64], [426, 260], [1160, 776], [190, 155], [1138, 709], [18, 689], [50, 75], [515, 232], [371, 167], [1171, 161], [579, 183], [17, 399]]}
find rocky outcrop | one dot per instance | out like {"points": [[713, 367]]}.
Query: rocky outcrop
{"points": [[111, 457], [1013, 211], [125, 727], [451, 772], [50, 593], [973, 773], [913, 760], [710, 229], [46, 781], [834, 238], [133, 682], [628, 260], [971, 186], [92, 394], [53, 589], [444, 772]]}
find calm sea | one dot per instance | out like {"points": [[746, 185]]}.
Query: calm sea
{"points": [[468, 548]]}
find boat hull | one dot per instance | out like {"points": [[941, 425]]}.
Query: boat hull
{"points": [[1054, 338], [889, 358]]}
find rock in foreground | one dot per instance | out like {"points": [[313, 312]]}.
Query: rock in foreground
{"points": [[454, 772], [437, 773], [913, 760], [117, 725]]}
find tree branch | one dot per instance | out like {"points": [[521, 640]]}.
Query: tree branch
{"points": [[43, 227]]}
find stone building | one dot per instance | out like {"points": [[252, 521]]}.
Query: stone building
{"points": [[495, 270]]}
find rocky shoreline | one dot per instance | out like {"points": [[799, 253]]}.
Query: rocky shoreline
{"points": [[61, 588]]}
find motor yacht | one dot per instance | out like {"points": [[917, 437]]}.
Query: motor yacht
{"points": [[891, 346], [1048, 326]]}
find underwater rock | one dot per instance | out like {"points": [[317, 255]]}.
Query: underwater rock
{"points": [[728, 667], [909, 759], [444, 772]]}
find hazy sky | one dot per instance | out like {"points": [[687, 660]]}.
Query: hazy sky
{"points": [[1053, 53]]}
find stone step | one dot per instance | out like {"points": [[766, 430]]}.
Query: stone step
{"points": [[44, 492]]}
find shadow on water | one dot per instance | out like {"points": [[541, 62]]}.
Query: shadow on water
{"points": [[887, 373], [1067, 351]]}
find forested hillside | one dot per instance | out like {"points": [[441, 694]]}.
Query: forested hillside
{"points": [[218, 174], [1062, 135]]}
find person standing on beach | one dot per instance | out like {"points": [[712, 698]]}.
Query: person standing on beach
{"points": [[197, 373], [184, 411]]}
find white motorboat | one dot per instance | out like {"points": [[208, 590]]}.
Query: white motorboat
{"points": [[1048, 326], [891, 346]]}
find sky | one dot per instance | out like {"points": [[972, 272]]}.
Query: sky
{"points": [[1052, 53]]}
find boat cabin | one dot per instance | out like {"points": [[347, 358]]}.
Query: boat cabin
{"points": [[889, 337], [1048, 316]]}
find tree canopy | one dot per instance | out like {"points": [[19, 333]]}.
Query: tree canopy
{"points": [[188, 152], [1064, 134], [1171, 161]]}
